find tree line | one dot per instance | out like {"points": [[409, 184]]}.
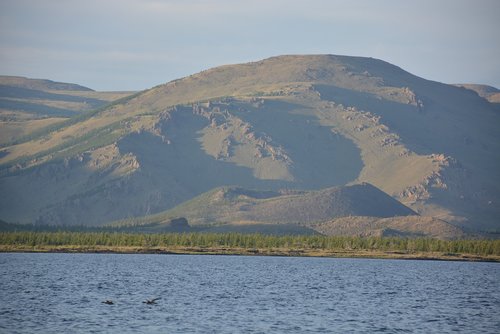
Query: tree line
{"points": [[248, 241]]}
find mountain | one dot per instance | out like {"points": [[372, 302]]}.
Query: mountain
{"points": [[26, 105], [289, 122]]}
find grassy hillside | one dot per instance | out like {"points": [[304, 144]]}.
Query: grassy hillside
{"points": [[289, 122]]}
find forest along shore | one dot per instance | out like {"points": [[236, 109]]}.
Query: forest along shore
{"points": [[251, 244]]}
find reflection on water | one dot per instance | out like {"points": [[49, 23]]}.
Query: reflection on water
{"points": [[229, 294]]}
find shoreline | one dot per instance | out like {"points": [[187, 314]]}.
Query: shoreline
{"points": [[299, 252]]}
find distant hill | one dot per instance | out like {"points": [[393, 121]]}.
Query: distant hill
{"points": [[301, 123], [40, 84]]}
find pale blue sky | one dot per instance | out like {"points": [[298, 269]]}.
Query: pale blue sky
{"points": [[134, 44]]}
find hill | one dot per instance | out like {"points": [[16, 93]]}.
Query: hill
{"points": [[26, 105], [40, 84], [288, 122], [235, 204], [356, 210]]}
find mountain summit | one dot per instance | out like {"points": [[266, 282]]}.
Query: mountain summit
{"points": [[288, 122]]}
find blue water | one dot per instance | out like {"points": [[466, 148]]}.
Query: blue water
{"points": [[63, 293]]}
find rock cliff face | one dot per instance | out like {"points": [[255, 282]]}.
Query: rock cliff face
{"points": [[290, 122]]}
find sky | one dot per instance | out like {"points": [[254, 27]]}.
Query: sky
{"points": [[138, 44]]}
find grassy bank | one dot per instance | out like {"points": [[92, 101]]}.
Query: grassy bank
{"points": [[249, 244]]}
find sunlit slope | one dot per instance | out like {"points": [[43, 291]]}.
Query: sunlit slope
{"points": [[290, 122]]}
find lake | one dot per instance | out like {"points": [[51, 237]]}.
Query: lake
{"points": [[63, 293]]}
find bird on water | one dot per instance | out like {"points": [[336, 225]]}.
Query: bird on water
{"points": [[151, 301], [108, 302]]}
